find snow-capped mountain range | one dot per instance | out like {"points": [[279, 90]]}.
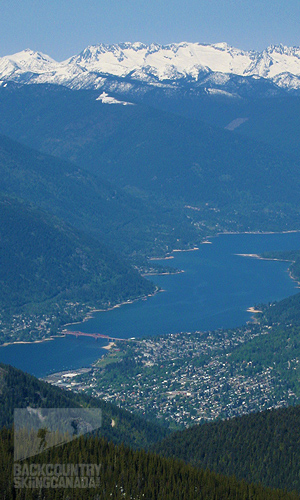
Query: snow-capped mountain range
{"points": [[211, 66]]}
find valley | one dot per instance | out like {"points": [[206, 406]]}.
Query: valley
{"points": [[209, 294], [118, 166]]}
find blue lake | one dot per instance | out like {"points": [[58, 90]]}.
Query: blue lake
{"points": [[215, 291]]}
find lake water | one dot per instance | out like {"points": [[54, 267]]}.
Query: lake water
{"points": [[215, 291]]}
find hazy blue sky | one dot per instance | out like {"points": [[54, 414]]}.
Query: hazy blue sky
{"points": [[62, 28]]}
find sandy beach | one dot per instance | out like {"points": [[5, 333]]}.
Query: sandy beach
{"points": [[109, 346], [253, 310]]}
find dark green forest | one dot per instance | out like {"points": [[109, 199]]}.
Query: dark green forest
{"points": [[260, 447], [124, 472]]}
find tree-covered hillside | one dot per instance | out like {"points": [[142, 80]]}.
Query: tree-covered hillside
{"points": [[261, 447], [130, 222], [251, 185], [120, 473], [272, 119], [46, 265]]}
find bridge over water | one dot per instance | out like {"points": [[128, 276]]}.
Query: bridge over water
{"points": [[94, 335]]}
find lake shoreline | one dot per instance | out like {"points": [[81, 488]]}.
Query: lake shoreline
{"points": [[206, 239], [31, 341], [88, 316], [272, 259]]}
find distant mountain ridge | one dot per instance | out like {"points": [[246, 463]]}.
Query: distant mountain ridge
{"points": [[209, 66]]}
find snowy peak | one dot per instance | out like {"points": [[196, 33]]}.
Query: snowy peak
{"points": [[155, 64], [276, 60], [189, 60], [16, 67], [32, 61], [162, 61]]}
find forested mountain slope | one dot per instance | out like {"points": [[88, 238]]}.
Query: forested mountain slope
{"points": [[129, 222], [260, 447], [152, 152], [272, 120], [125, 473], [46, 265]]}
